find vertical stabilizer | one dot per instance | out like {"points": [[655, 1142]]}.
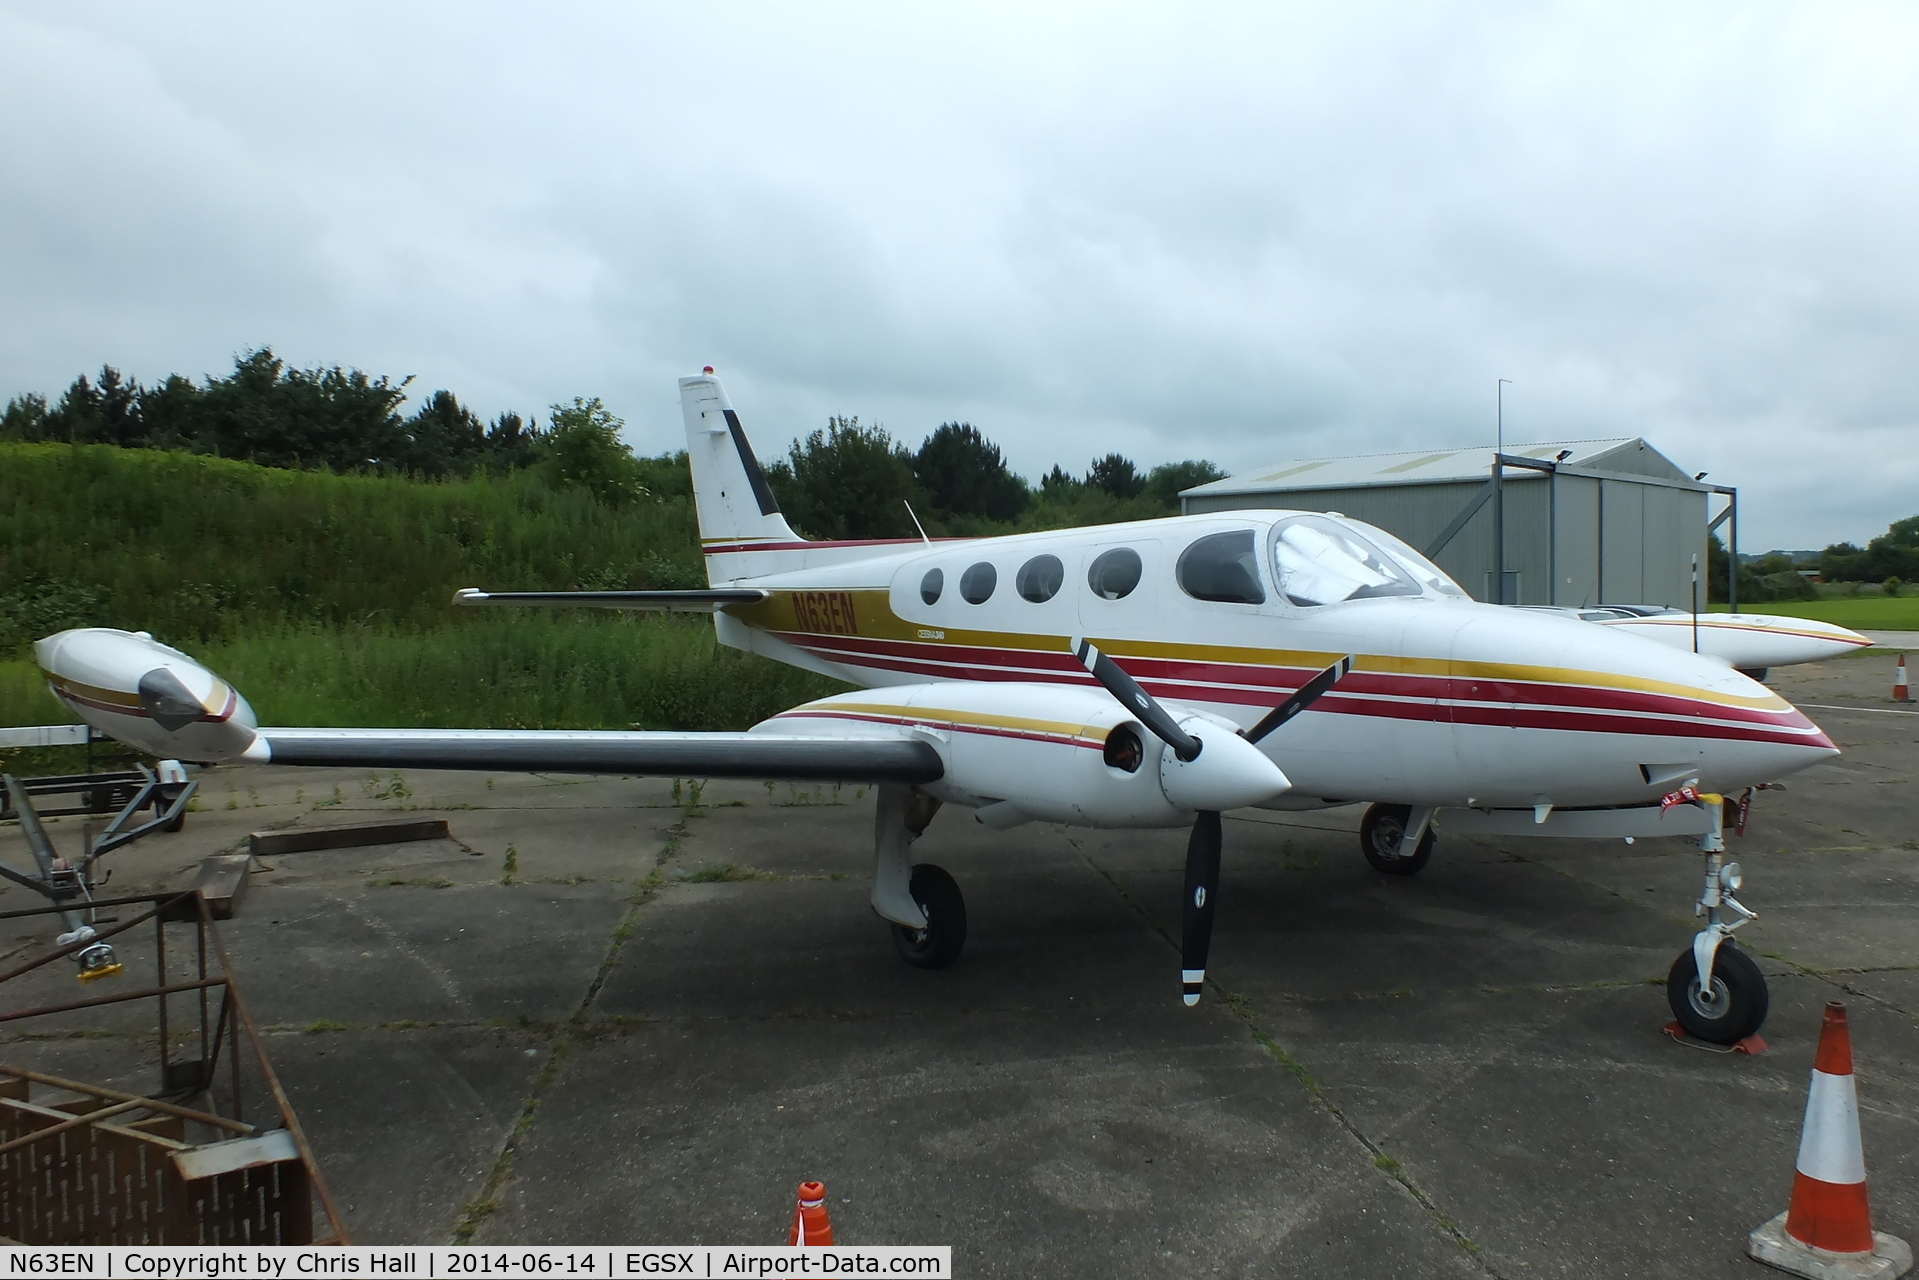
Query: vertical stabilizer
{"points": [[736, 509]]}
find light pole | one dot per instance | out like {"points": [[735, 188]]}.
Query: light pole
{"points": [[1499, 491]]}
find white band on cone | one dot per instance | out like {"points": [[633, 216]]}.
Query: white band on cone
{"points": [[1829, 1142]]}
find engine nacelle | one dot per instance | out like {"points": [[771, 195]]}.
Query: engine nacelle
{"points": [[131, 687], [1053, 752]]}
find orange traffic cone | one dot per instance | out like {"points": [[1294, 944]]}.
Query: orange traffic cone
{"points": [[1900, 692], [810, 1223], [1828, 1230]]}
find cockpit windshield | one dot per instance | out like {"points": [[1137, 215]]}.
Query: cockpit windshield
{"points": [[1320, 561], [1428, 574]]}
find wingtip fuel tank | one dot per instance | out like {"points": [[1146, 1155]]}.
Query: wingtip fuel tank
{"points": [[131, 687]]}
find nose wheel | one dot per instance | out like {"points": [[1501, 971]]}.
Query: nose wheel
{"points": [[1730, 1007]]}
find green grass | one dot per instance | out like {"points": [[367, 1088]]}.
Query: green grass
{"points": [[485, 669], [1869, 613], [325, 599], [192, 548], [504, 670]]}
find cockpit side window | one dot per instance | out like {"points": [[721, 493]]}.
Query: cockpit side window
{"points": [[1222, 567], [1318, 561]]}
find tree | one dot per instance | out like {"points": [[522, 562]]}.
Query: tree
{"points": [[1116, 475], [1893, 554], [512, 442], [25, 419], [1057, 486], [1164, 482], [847, 481], [442, 438], [584, 450], [335, 418], [964, 473]]}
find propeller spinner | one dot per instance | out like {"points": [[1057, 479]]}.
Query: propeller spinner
{"points": [[1208, 782]]}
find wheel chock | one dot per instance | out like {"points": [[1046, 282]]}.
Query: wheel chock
{"points": [[1752, 1045]]}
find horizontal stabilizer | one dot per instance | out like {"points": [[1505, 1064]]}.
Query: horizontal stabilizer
{"points": [[667, 755], [704, 600]]}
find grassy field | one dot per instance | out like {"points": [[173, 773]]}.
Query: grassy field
{"points": [[1863, 613], [504, 670], [499, 670], [195, 548], [324, 598]]}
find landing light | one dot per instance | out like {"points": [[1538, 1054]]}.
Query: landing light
{"points": [[1730, 877]]}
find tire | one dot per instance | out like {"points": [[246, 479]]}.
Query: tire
{"points": [[940, 942], [1380, 832], [1739, 999]]}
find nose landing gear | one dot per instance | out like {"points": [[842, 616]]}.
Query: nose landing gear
{"points": [[1716, 990]]}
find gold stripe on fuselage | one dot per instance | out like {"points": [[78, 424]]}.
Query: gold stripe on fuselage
{"points": [[971, 719], [867, 613]]}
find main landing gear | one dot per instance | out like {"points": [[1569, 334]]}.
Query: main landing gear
{"points": [[1397, 839], [922, 903]]}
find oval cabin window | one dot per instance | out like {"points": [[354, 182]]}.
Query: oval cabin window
{"points": [[977, 583], [931, 585], [1222, 567], [1040, 578], [1114, 574]]}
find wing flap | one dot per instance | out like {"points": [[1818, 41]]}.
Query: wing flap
{"points": [[706, 600], [675, 755]]}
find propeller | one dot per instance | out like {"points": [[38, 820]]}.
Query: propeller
{"points": [[1203, 846]]}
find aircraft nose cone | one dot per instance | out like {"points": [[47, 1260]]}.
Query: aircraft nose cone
{"points": [[1752, 735], [1228, 773]]}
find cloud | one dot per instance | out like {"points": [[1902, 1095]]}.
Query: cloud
{"points": [[1242, 232]]}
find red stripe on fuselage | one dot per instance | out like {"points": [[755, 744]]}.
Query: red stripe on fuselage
{"points": [[1444, 699]]}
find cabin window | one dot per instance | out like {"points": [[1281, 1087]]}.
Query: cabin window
{"points": [[1223, 567], [1114, 573], [931, 585], [1040, 578], [977, 583], [1320, 562]]}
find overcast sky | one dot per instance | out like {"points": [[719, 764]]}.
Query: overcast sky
{"points": [[1243, 233]]}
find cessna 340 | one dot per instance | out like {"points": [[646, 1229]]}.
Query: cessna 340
{"points": [[1150, 674]]}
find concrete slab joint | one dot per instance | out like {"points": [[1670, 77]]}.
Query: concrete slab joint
{"points": [[1890, 1258]]}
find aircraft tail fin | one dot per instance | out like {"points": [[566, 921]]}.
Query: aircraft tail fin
{"points": [[736, 508]]}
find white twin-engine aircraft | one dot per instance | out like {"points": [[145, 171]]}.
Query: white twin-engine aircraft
{"points": [[1150, 674]]}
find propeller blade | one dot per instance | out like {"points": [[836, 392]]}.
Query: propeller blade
{"points": [[1303, 697], [1202, 886], [1135, 699]]}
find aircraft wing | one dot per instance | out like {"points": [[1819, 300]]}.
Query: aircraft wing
{"points": [[681, 755], [702, 601]]}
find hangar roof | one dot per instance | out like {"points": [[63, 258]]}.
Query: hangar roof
{"points": [[1625, 456]]}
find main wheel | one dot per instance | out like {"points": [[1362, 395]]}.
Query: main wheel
{"points": [[939, 943], [1380, 832], [1732, 1009]]}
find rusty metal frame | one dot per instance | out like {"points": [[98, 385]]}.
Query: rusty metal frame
{"points": [[226, 1029]]}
